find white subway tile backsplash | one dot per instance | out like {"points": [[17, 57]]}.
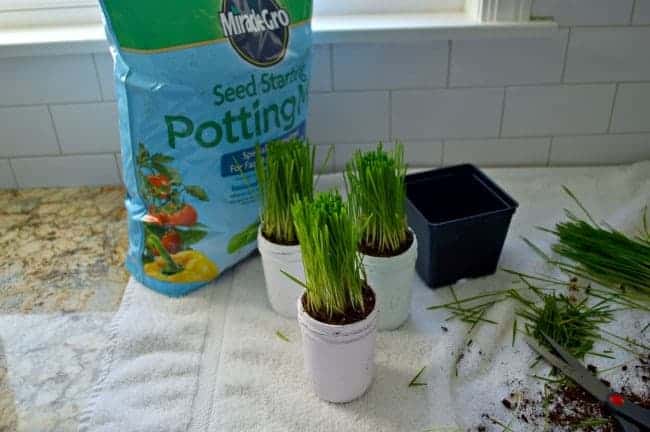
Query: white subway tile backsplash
{"points": [[549, 110], [600, 149], [48, 79], [390, 66], [608, 54], [348, 117], [499, 62], [26, 131], [641, 12], [321, 69], [87, 128], [423, 153], [632, 108], [66, 171], [498, 152], [454, 113], [7, 180], [104, 63], [364, 93], [344, 153], [585, 12], [416, 153]]}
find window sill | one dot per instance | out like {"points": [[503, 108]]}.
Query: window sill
{"points": [[420, 27], [90, 38], [74, 39]]}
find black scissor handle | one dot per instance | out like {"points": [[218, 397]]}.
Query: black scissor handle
{"points": [[628, 412], [626, 426]]}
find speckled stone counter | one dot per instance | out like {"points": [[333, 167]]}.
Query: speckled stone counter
{"points": [[61, 279]]}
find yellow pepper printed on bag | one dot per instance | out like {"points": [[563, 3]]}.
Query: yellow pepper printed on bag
{"points": [[196, 268]]}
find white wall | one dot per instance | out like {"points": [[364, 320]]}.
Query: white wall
{"points": [[581, 96]]}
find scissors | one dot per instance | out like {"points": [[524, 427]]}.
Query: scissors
{"points": [[631, 417]]}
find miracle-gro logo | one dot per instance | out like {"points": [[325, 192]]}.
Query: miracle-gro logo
{"points": [[253, 22], [258, 32]]}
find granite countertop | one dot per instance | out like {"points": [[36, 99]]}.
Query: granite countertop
{"points": [[61, 279]]}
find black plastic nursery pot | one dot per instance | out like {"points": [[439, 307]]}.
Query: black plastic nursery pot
{"points": [[461, 219]]}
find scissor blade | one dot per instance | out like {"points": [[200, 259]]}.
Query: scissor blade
{"points": [[564, 354], [581, 376], [589, 382]]}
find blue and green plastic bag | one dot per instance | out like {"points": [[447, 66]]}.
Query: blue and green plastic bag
{"points": [[199, 84]]}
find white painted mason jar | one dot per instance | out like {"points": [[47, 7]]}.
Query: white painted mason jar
{"points": [[339, 359], [392, 280], [282, 292]]}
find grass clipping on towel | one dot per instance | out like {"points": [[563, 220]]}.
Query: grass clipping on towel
{"points": [[604, 255], [592, 253], [574, 324]]}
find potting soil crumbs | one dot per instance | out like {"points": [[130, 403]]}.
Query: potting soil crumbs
{"points": [[495, 386], [468, 384], [512, 395], [567, 407]]}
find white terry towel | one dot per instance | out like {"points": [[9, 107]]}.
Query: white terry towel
{"points": [[212, 361], [150, 378]]}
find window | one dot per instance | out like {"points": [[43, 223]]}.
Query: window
{"points": [[30, 13], [43, 4], [373, 7], [25, 13], [480, 10], [43, 21]]}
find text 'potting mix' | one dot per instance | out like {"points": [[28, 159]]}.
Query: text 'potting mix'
{"points": [[200, 84]]}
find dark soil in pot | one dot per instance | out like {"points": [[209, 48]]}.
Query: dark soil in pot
{"points": [[279, 242], [368, 249], [350, 316]]}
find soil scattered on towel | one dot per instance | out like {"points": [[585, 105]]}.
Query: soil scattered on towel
{"points": [[567, 407], [575, 408]]}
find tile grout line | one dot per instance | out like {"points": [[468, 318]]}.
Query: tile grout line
{"points": [[534, 85], [56, 132], [611, 112], [548, 84], [67, 155], [483, 138], [99, 81], [375, 90], [566, 56], [79, 102], [450, 46]]}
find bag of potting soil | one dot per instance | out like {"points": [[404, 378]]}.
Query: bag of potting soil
{"points": [[199, 84]]}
